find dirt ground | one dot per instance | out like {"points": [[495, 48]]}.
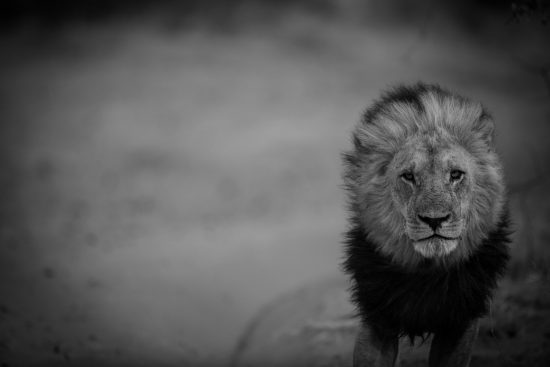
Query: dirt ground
{"points": [[315, 326], [160, 185]]}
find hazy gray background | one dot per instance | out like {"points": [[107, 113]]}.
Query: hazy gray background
{"points": [[166, 169]]}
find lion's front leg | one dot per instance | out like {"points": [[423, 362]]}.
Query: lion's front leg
{"points": [[375, 349], [453, 349]]}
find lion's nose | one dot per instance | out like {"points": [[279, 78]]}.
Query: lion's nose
{"points": [[434, 223]]}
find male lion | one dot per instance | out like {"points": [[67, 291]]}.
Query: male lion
{"points": [[428, 234]]}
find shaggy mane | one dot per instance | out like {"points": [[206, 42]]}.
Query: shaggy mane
{"points": [[402, 114], [396, 289]]}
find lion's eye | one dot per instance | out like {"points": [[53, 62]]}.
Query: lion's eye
{"points": [[408, 176], [456, 175]]}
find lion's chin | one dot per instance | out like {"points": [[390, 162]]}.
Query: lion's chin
{"points": [[435, 247]]}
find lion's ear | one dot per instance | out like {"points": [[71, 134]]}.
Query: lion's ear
{"points": [[485, 128]]}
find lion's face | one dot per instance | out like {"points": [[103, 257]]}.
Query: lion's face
{"points": [[431, 186], [424, 178]]}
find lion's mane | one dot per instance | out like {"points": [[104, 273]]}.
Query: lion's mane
{"points": [[430, 296]]}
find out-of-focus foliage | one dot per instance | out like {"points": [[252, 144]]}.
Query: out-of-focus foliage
{"points": [[531, 9], [471, 13]]}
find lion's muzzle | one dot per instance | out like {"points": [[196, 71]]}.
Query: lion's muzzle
{"points": [[434, 222], [434, 234]]}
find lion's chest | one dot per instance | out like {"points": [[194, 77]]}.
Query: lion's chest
{"points": [[431, 300], [424, 302]]}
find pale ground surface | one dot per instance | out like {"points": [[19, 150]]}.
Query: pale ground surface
{"points": [[160, 186], [312, 326]]}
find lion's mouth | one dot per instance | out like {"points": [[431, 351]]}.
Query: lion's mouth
{"points": [[435, 245], [435, 235]]}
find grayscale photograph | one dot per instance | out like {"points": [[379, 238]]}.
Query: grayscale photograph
{"points": [[275, 183]]}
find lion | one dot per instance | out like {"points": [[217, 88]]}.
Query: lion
{"points": [[428, 233]]}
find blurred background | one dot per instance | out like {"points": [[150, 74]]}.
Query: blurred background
{"points": [[168, 168]]}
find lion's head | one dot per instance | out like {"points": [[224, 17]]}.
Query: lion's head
{"points": [[423, 177]]}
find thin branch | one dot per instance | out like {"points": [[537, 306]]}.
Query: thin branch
{"points": [[545, 73], [541, 70]]}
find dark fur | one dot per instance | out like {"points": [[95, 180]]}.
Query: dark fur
{"points": [[409, 95], [406, 94], [430, 299]]}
